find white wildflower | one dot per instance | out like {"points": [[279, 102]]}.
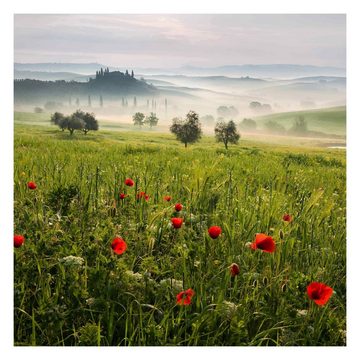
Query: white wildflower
{"points": [[72, 260]]}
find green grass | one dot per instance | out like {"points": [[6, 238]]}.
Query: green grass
{"points": [[328, 121], [129, 299]]}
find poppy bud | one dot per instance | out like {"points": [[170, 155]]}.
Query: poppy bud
{"points": [[234, 269], [281, 235]]}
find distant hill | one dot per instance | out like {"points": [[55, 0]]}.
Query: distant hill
{"points": [[81, 68], [283, 71], [110, 83], [328, 120], [50, 76], [253, 70]]}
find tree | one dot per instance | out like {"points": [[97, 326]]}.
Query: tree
{"points": [[227, 112], [226, 133], [63, 123], [77, 102], [38, 110], [135, 102], [101, 101], [151, 120], [56, 118], [300, 126], [187, 131], [138, 119], [89, 101], [75, 123], [132, 73], [248, 124], [274, 127], [90, 123]]}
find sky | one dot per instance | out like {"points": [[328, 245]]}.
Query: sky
{"points": [[170, 41]]}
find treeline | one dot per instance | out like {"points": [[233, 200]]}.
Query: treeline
{"points": [[79, 120], [111, 84]]}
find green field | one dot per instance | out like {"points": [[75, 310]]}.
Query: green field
{"points": [[101, 298], [328, 121]]}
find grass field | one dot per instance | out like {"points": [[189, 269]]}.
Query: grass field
{"points": [[328, 121], [71, 288]]}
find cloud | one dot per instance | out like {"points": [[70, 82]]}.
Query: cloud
{"points": [[174, 40]]}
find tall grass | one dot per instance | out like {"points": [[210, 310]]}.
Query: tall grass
{"points": [[130, 299]]}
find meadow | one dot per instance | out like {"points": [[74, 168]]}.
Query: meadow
{"points": [[72, 288]]}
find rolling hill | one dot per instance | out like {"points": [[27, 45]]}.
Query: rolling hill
{"points": [[328, 120]]}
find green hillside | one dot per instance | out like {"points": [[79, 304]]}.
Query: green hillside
{"points": [[329, 120]]}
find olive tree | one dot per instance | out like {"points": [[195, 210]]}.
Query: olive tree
{"points": [[187, 131], [151, 120], [226, 133]]}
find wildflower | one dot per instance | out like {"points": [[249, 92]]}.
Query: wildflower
{"points": [[287, 217], [18, 240], [135, 276], [175, 284], [301, 312], [184, 297], [319, 293], [214, 231], [178, 207], [129, 182], [72, 260], [227, 309], [31, 185], [234, 269], [118, 245], [167, 198], [264, 242], [122, 196], [142, 194], [177, 222]]}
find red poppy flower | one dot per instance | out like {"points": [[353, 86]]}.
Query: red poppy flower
{"points": [[214, 231], [31, 185], [184, 297], [287, 217], [119, 245], [142, 194], [177, 222], [122, 196], [234, 269], [319, 293], [129, 182], [167, 198], [264, 242], [18, 240], [178, 207]]}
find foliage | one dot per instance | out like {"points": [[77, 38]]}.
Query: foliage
{"points": [[138, 119], [187, 131], [79, 120], [226, 133], [248, 124], [227, 112], [38, 110], [151, 120], [256, 106], [299, 127], [274, 127]]}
